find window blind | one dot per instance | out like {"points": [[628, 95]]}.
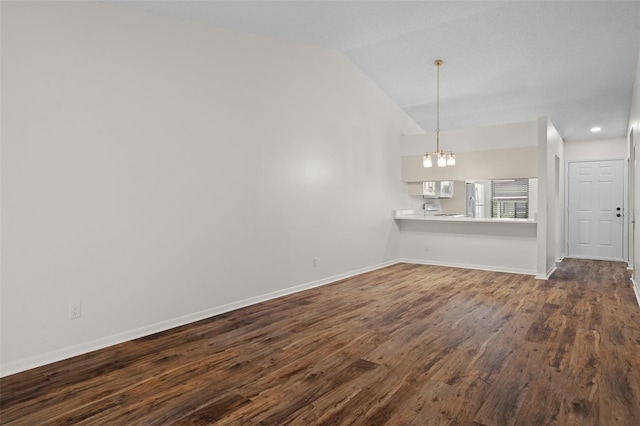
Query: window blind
{"points": [[510, 198]]}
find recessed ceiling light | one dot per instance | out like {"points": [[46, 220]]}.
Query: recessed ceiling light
{"points": [[596, 129]]}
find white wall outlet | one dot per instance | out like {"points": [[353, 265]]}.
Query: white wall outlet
{"points": [[75, 310], [315, 262]]}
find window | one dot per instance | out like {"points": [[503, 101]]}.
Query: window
{"points": [[510, 198]]}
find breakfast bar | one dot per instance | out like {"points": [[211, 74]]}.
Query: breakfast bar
{"points": [[496, 244]]}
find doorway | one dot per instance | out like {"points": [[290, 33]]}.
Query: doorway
{"points": [[596, 210]]}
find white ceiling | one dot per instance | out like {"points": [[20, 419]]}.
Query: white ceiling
{"points": [[504, 61]]}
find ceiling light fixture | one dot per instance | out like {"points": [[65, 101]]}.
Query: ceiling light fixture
{"points": [[596, 129], [443, 158]]}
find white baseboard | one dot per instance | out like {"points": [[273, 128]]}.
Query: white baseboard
{"points": [[92, 345], [636, 290], [549, 273], [491, 268]]}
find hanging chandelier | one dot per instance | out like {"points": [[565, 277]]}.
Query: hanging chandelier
{"points": [[442, 158]]}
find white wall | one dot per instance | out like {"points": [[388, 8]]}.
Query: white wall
{"points": [[161, 171], [505, 247], [504, 136], [556, 170], [551, 235], [593, 150], [489, 164]]}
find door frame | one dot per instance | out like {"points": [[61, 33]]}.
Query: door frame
{"points": [[632, 161], [631, 165], [625, 203]]}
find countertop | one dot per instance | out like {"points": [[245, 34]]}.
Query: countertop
{"points": [[419, 215]]}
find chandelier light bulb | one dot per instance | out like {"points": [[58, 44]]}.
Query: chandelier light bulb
{"points": [[451, 160]]}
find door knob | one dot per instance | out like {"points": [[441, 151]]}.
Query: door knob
{"points": [[618, 215]]}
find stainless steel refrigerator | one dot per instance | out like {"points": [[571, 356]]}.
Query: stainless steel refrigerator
{"points": [[475, 199]]}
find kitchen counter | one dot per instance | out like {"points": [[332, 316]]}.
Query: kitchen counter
{"points": [[419, 215], [507, 245]]}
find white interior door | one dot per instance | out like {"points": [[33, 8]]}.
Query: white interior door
{"points": [[596, 214]]}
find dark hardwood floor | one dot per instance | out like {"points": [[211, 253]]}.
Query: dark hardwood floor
{"points": [[404, 345]]}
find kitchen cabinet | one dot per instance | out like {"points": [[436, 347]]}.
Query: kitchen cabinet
{"points": [[432, 189]]}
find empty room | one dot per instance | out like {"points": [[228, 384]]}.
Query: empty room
{"points": [[319, 212]]}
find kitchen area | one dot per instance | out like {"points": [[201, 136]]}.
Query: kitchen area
{"points": [[483, 213], [512, 199], [469, 228]]}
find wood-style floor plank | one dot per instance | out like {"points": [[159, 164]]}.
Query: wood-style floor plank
{"points": [[403, 345]]}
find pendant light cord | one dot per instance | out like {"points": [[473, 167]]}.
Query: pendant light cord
{"points": [[438, 63]]}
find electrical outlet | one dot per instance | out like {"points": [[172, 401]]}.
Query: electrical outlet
{"points": [[75, 310], [315, 262]]}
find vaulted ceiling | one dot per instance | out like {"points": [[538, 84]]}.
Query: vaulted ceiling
{"points": [[504, 61]]}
